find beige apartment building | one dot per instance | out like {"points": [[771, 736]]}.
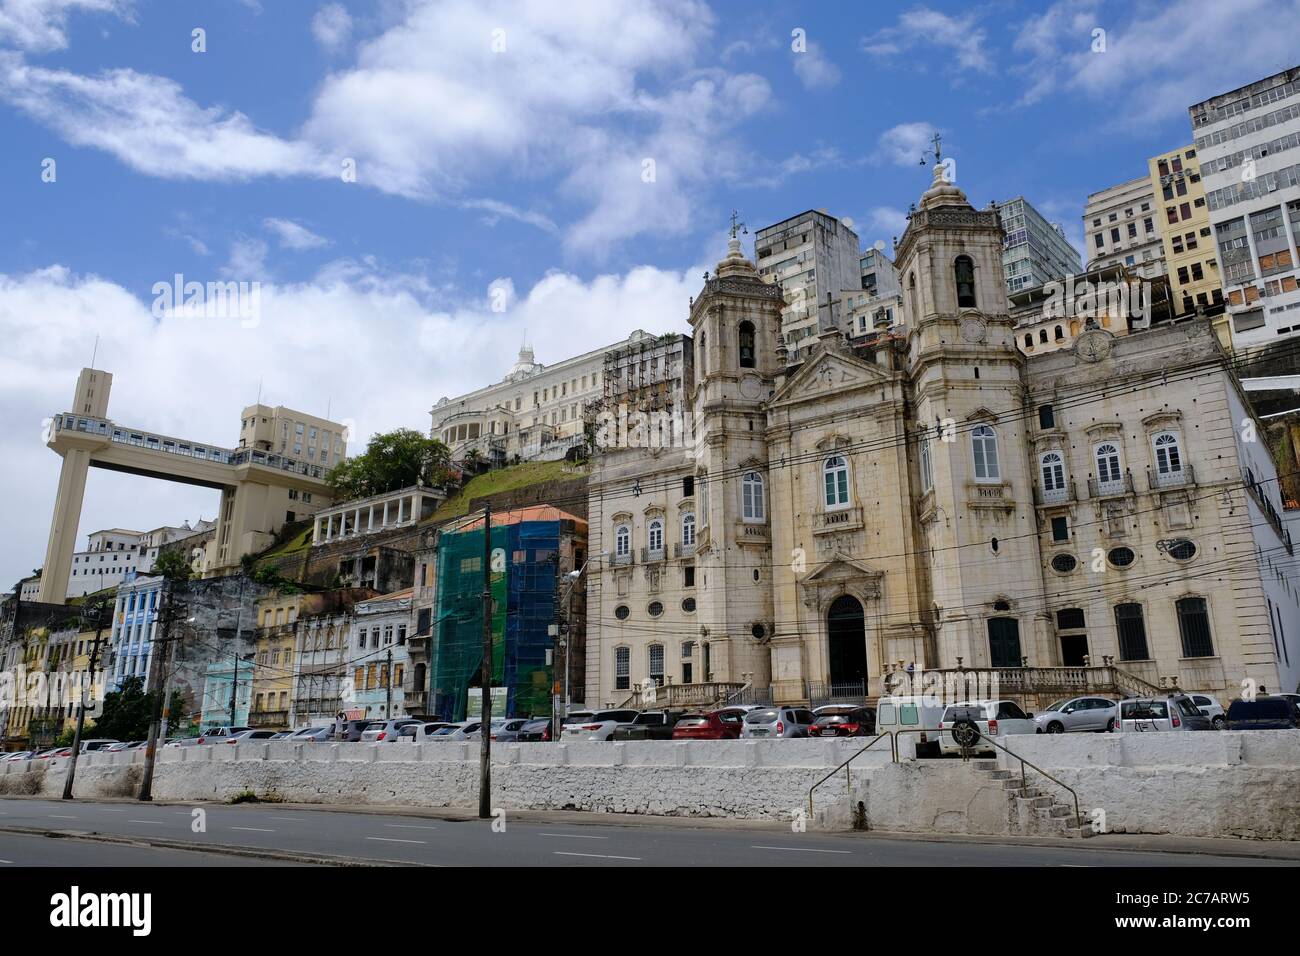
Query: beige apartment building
{"points": [[273, 660], [1191, 260], [1120, 228], [941, 500]]}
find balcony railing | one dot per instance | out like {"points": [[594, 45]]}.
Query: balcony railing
{"points": [[842, 519], [683, 550], [1158, 481], [268, 718], [620, 559], [1052, 496], [650, 556], [1111, 489]]}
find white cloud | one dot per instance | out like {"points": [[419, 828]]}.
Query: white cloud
{"points": [[964, 42], [496, 210], [149, 124], [814, 70], [905, 144], [1149, 51], [41, 26], [884, 223], [332, 26], [247, 260], [294, 236], [192, 376]]}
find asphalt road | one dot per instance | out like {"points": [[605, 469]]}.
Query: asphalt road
{"points": [[303, 835]]}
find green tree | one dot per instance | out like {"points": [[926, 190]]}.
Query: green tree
{"points": [[126, 712], [172, 565], [396, 459]]}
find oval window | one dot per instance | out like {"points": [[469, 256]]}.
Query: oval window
{"points": [[1121, 557], [759, 632], [1182, 550], [688, 605], [655, 608], [1064, 563], [621, 612]]}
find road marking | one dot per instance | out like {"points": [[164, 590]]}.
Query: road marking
{"points": [[599, 856], [295, 819], [6, 861], [798, 849], [113, 810], [408, 826], [572, 836], [62, 816], [160, 823], [254, 829], [394, 840]]}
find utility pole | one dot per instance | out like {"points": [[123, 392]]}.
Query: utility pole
{"points": [[388, 683], [81, 709], [234, 683], [485, 679], [161, 647]]}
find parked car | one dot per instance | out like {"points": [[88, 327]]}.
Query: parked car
{"points": [[918, 715], [1077, 714], [1211, 708], [843, 721], [96, 743], [184, 742], [313, 735], [124, 745], [421, 730], [650, 725], [54, 752], [772, 722], [1263, 713], [246, 735], [505, 730], [377, 731], [992, 718], [282, 735], [217, 734], [724, 724], [577, 717], [456, 733], [535, 731], [600, 726], [348, 731], [16, 757], [1172, 712]]}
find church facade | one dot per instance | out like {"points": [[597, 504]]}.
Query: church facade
{"points": [[934, 498]]}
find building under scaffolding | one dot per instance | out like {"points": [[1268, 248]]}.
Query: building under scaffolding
{"points": [[533, 549]]}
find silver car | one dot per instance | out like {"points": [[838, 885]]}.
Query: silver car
{"points": [[455, 733], [422, 730], [1077, 715], [1172, 712], [505, 730], [600, 726], [386, 730], [771, 722]]}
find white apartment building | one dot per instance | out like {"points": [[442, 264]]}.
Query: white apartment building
{"points": [[1120, 228], [535, 413], [1249, 148], [1034, 251], [113, 554], [811, 256]]}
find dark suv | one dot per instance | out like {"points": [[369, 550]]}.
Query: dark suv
{"points": [[1263, 713]]}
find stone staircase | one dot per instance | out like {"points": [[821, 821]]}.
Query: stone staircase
{"points": [[1032, 811]]}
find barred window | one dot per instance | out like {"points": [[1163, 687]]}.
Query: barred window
{"points": [[1132, 632], [1194, 625]]}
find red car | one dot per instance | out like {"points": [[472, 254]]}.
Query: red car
{"points": [[61, 752], [717, 725], [844, 722]]}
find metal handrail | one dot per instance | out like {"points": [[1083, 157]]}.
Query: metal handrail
{"points": [[848, 775], [1078, 820]]}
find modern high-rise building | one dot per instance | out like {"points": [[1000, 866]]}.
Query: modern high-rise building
{"points": [[1184, 222], [1248, 144], [812, 256], [1034, 251], [1119, 228]]}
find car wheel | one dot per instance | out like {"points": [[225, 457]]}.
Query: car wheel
{"points": [[1218, 723], [1110, 726], [1055, 727], [965, 733]]}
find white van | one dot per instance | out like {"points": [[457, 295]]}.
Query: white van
{"points": [[918, 713]]}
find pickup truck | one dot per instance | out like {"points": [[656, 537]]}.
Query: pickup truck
{"points": [[650, 725]]}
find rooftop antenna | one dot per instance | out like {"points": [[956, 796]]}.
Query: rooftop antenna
{"points": [[259, 391], [94, 352]]}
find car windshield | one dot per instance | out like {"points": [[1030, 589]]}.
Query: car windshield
{"points": [[1057, 706], [693, 721], [972, 711], [618, 716], [761, 717], [1146, 709], [1271, 709], [825, 719], [444, 731]]}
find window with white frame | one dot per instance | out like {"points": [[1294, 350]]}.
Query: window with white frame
{"points": [[622, 541], [835, 474], [984, 445], [1169, 458], [927, 467], [753, 504], [657, 664], [1052, 466], [688, 530], [622, 668], [656, 535], [1108, 465]]}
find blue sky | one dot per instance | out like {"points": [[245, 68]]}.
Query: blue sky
{"points": [[517, 168]]}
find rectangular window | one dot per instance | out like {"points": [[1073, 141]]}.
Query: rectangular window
{"points": [[1061, 529], [1132, 632], [657, 664], [622, 668], [1046, 417], [1194, 625], [688, 486]]}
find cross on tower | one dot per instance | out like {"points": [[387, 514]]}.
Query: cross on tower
{"points": [[736, 225], [937, 153]]}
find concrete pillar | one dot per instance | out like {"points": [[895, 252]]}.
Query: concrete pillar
{"points": [[370, 521], [57, 568], [315, 530], [385, 524]]}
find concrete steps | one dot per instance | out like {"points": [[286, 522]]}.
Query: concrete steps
{"points": [[1031, 811]]}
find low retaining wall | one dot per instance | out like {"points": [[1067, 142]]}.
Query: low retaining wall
{"points": [[1243, 784]]}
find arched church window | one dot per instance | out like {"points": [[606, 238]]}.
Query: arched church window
{"points": [[964, 272], [746, 336]]}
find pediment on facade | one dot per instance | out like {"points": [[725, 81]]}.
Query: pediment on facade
{"points": [[1162, 419], [838, 576], [1104, 430], [827, 372], [839, 567], [982, 414]]}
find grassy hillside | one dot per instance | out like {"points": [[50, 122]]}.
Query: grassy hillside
{"points": [[505, 479]]}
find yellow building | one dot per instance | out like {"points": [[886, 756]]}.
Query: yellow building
{"points": [[277, 622], [1188, 239]]}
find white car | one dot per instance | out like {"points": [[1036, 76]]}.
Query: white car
{"points": [[600, 726], [992, 718], [456, 733], [15, 758], [1210, 707], [1076, 715]]}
